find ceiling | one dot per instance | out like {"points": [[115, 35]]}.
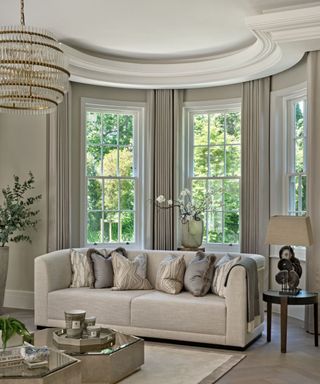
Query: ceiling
{"points": [[148, 32]]}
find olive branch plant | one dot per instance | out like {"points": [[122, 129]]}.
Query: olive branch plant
{"points": [[17, 213]]}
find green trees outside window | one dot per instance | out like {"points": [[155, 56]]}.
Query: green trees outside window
{"points": [[110, 177], [216, 168]]}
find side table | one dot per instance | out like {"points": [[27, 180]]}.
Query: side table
{"points": [[302, 298]]}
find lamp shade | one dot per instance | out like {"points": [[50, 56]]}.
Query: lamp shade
{"points": [[289, 230]]}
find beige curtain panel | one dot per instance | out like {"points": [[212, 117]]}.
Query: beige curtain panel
{"points": [[167, 110], [313, 179], [255, 168], [58, 177]]}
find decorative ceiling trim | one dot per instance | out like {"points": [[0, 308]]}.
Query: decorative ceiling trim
{"points": [[282, 38]]}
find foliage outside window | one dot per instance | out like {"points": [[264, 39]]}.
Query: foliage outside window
{"points": [[216, 169], [297, 151], [110, 176]]}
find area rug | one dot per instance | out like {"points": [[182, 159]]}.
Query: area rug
{"points": [[172, 364]]}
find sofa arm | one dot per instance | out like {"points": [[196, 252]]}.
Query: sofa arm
{"points": [[51, 272], [236, 303]]}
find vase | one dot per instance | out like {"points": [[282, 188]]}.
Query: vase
{"points": [[192, 234], [14, 341], [4, 261]]}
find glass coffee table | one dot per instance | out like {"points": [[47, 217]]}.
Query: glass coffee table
{"points": [[101, 365], [61, 368]]}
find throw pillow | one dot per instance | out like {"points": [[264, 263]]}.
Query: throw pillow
{"points": [[130, 274], [101, 266], [81, 272], [222, 268], [199, 274], [170, 274]]}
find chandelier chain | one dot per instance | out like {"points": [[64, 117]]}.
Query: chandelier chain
{"points": [[22, 20]]}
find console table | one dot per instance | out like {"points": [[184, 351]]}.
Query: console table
{"points": [[302, 298]]}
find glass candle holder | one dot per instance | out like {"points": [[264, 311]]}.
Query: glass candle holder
{"points": [[93, 332], [75, 323]]}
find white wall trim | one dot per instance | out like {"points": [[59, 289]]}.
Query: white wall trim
{"points": [[281, 39], [19, 299]]}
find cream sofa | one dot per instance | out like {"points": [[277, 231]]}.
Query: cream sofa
{"points": [[209, 319]]}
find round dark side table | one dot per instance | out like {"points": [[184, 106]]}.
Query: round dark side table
{"points": [[302, 298]]}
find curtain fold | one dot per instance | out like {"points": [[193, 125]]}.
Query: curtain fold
{"points": [[255, 168], [167, 112], [313, 179], [58, 177]]}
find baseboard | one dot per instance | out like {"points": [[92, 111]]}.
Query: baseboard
{"points": [[19, 299], [295, 311]]}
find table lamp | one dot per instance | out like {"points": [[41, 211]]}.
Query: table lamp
{"points": [[288, 231]]}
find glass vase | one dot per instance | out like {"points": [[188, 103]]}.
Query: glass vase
{"points": [[192, 233]]}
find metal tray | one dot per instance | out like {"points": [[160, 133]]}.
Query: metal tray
{"points": [[106, 339]]}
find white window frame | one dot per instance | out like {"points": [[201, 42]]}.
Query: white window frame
{"points": [[214, 106], [138, 109], [281, 119]]}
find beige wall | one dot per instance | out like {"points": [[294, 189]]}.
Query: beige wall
{"points": [[23, 148], [293, 76], [213, 93], [94, 92]]}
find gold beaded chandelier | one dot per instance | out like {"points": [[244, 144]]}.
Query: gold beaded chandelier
{"points": [[33, 69]]}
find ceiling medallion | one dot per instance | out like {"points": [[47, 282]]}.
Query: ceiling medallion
{"points": [[34, 72]]}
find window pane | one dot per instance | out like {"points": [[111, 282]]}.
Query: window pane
{"points": [[93, 128], [110, 128], [94, 227], [299, 155], [299, 123], [126, 161], [94, 194], [127, 194], [200, 164], [217, 161], [110, 161], [231, 195], [126, 130], [93, 161], [216, 128], [127, 226], [231, 227], [111, 224], [304, 193], [233, 127], [215, 234], [233, 161], [216, 191], [111, 193], [200, 129]]}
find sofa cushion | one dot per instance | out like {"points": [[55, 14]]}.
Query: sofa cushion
{"points": [[130, 274], [182, 312], [110, 307], [82, 275], [170, 274], [222, 269], [199, 274]]}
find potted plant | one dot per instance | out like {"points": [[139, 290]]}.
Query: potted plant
{"points": [[12, 332], [190, 212], [16, 216]]}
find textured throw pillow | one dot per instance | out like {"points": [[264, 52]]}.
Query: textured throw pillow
{"points": [[222, 269], [81, 272], [101, 266], [199, 274], [130, 274], [170, 274]]}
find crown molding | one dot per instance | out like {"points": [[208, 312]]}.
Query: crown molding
{"points": [[281, 39]]}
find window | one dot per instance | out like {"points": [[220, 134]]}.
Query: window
{"points": [[296, 157], [214, 167], [112, 174]]}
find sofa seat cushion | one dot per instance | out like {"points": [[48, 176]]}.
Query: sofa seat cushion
{"points": [[110, 307], [182, 312]]}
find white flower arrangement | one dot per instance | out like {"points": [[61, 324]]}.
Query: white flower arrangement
{"points": [[189, 209]]}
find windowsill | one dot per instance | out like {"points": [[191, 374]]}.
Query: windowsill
{"points": [[221, 247]]}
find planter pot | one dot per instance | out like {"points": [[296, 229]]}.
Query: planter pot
{"points": [[4, 261], [14, 341], [192, 234]]}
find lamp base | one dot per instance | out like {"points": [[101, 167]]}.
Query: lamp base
{"points": [[289, 292]]}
